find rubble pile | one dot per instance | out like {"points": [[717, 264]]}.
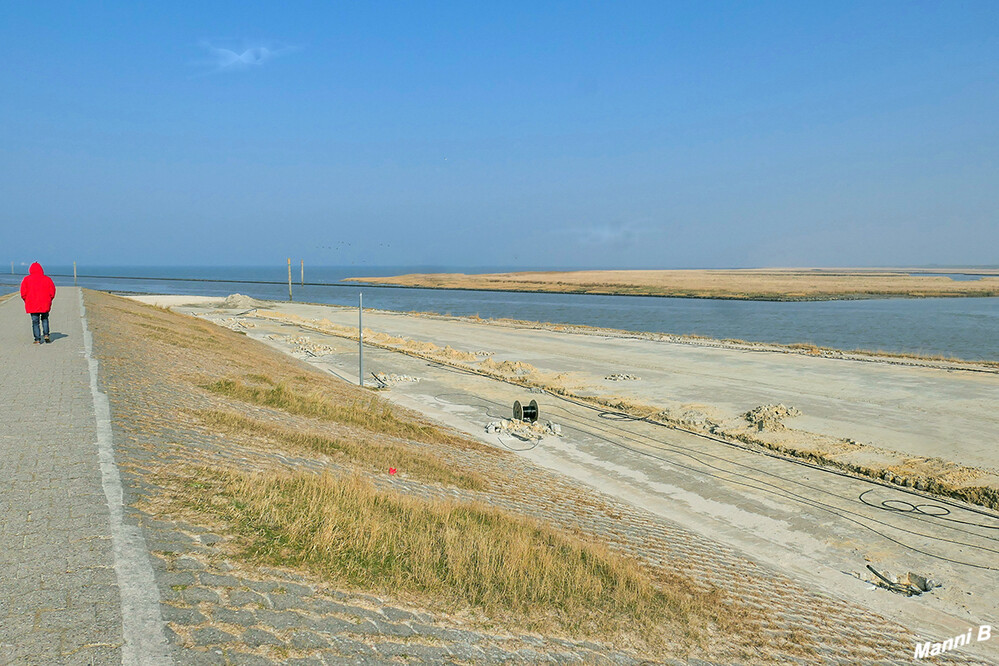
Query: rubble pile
{"points": [[909, 584], [304, 344], [235, 323], [622, 378], [524, 429], [688, 418], [770, 417], [392, 378]]}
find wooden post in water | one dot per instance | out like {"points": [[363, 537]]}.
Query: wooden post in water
{"points": [[289, 280], [360, 339], [303, 272], [74, 273]]}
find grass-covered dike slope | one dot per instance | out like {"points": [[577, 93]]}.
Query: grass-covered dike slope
{"points": [[304, 486]]}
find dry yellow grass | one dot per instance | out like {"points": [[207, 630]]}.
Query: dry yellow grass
{"points": [[749, 284], [469, 554], [373, 414], [372, 453]]}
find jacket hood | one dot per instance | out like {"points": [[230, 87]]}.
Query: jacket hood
{"points": [[36, 269]]}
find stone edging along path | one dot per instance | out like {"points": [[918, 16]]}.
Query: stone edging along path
{"points": [[142, 625]]}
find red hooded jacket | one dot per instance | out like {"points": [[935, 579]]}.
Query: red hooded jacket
{"points": [[37, 290]]}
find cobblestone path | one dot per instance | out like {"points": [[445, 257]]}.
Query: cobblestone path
{"points": [[59, 600]]}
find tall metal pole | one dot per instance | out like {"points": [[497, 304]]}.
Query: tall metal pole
{"points": [[12, 268], [74, 273], [303, 272], [289, 280], [360, 339]]}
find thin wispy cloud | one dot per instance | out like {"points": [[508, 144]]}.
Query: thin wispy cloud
{"points": [[224, 59], [618, 234], [615, 235]]}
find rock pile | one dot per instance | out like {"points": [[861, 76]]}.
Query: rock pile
{"points": [[304, 344], [235, 324], [688, 418], [622, 378], [392, 378], [524, 429], [770, 417]]}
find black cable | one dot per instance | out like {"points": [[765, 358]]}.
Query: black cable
{"points": [[623, 416], [782, 492], [656, 444], [772, 454], [841, 513], [786, 494], [909, 507], [529, 448], [612, 415], [907, 590]]}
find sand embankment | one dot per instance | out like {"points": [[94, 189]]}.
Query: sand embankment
{"points": [[784, 284], [913, 422], [928, 428]]}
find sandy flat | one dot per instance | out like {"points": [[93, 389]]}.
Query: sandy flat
{"points": [[913, 410], [750, 284]]}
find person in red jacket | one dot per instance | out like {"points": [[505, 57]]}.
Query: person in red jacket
{"points": [[37, 292]]}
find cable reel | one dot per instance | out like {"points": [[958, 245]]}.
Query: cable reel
{"points": [[528, 412]]}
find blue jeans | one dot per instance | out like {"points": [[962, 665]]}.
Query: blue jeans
{"points": [[44, 317]]}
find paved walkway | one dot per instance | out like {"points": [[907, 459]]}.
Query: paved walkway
{"points": [[59, 594]]}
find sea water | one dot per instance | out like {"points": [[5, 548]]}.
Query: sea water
{"points": [[954, 327]]}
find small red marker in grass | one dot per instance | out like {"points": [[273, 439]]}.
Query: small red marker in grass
{"points": [[392, 470]]}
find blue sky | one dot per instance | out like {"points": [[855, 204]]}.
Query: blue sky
{"points": [[646, 135]]}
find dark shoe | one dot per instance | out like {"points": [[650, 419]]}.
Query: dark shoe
{"points": [[47, 340]]}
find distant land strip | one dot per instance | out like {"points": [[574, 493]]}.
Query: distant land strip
{"points": [[790, 284]]}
